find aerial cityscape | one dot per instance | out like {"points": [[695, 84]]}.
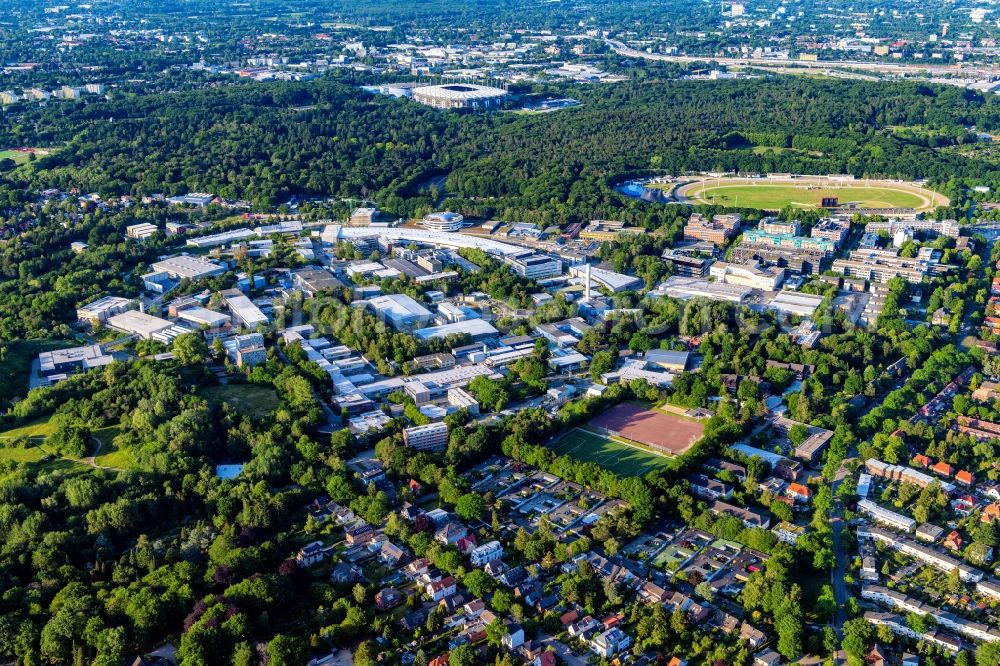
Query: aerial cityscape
{"points": [[465, 332]]}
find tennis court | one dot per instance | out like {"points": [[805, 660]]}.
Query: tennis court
{"points": [[622, 459]]}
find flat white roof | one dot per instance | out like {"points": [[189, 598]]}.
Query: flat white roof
{"points": [[244, 309], [474, 327], [203, 316], [103, 304], [334, 232], [140, 323], [399, 306], [185, 266]]}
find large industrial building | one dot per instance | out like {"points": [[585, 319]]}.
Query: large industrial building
{"points": [[165, 274], [477, 329], [97, 312], [244, 312], [400, 311], [459, 96], [64, 361], [145, 326], [534, 266]]}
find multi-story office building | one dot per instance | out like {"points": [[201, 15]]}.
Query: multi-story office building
{"points": [[430, 437]]}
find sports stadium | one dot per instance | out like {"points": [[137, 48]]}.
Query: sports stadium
{"points": [[777, 191]]}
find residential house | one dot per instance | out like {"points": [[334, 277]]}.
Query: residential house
{"points": [[514, 636], [929, 533], [651, 593], [439, 589], [474, 608], [610, 643], [708, 488], [417, 568], [346, 573], [451, 533], [582, 628], [767, 658], [954, 541], [489, 551], [495, 569], [753, 636], [546, 658], [798, 492], [359, 534], [392, 555], [943, 469], [514, 577], [965, 478], [313, 553], [388, 598]]}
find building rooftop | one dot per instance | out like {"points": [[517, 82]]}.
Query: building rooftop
{"points": [[477, 328]]}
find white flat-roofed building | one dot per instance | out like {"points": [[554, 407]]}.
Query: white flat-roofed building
{"points": [[436, 382], [97, 312], [747, 275], [685, 288], [285, 227], [364, 268], [400, 311], [610, 280], [430, 437], [462, 399], [535, 266], [476, 328], [333, 233], [187, 267], [459, 96], [65, 361], [244, 312], [373, 421], [864, 485], [141, 231], [887, 517], [488, 552], [222, 238], [199, 317], [444, 221], [138, 323], [199, 199], [451, 313], [795, 303]]}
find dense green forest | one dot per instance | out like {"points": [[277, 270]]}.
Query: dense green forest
{"points": [[268, 142]]}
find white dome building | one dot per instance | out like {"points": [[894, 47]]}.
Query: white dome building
{"points": [[443, 221]]}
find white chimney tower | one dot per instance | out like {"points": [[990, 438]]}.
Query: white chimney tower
{"points": [[586, 291]]}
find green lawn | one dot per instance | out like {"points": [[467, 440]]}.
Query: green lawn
{"points": [[30, 455], [37, 429], [774, 196], [110, 455], [248, 399], [18, 157], [620, 458]]}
